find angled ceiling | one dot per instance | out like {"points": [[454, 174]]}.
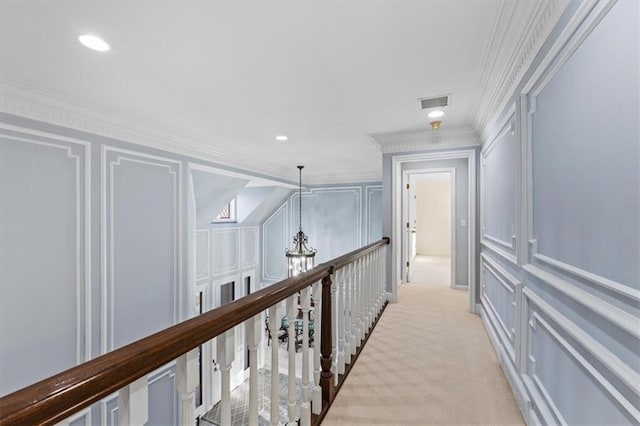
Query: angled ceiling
{"points": [[220, 80]]}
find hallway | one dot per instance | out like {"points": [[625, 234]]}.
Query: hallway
{"points": [[429, 361]]}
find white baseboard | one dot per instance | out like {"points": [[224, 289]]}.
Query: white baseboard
{"points": [[510, 372]]}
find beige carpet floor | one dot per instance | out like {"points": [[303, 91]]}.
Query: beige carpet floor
{"points": [[434, 270], [429, 361]]}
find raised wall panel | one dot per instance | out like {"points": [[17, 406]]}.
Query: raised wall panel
{"points": [[499, 295], [226, 250], [333, 220], [561, 357], [81, 418], [373, 213], [109, 410], [44, 255], [141, 225], [498, 203], [274, 242], [202, 254], [585, 175], [249, 247], [163, 409]]}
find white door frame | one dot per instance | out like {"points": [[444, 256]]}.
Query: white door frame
{"points": [[452, 181], [396, 214]]}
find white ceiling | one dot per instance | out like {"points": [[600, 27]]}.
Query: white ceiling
{"points": [[222, 79]]}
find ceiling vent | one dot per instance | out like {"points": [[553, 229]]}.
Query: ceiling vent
{"points": [[435, 102]]}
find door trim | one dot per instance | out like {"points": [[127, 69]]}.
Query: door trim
{"points": [[406, 214], [396, 214]]}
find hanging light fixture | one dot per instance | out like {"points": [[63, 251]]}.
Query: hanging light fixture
{"points": [[300, 258]]}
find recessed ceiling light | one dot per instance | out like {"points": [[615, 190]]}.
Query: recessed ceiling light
{"points": [[281, 138], [436, 114], [94, 42]]}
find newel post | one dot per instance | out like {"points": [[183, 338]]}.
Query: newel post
{"points": [[326, 376]]}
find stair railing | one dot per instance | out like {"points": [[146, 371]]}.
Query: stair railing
{"points": [[349, 293]]}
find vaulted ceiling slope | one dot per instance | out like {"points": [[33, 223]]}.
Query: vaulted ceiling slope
{"points": [[219, 80]]}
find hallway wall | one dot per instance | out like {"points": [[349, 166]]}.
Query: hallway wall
{"points": [[433, 218], [97, 244], [560, 224]]}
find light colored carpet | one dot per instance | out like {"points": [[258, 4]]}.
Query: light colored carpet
{"points": [[428, 362], [431, 270]]}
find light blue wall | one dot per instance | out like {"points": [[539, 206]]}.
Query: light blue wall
{"points": [[562, 301], [95, 250], [337, 219]]}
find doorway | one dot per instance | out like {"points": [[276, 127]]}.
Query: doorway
{"points": [[431, 210], [466, 225]]}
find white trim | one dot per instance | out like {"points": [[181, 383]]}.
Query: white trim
{"points": [[82, 414], [611, 313], [499, 251], [265, 226], [199, 234], [368, 191], [628, 292], [615, 365], [539, 26], [506, 249], [253, 262], [236, 254], [312, 192], [174, 168], [396, 214], [83, 239], [581, 24]]}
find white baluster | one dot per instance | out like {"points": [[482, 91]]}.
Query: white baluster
{"points": [[225, 351], [354, 306], [253, 329], [133, 403], [291, 314], [340, 308], [316, 403], [372, 287], [187, 381], [347, 314], [334, 326], [361, 312], [305, 408], [275, 367]]}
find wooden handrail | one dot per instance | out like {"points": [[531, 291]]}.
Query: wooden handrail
{"points": [[58, 397]]}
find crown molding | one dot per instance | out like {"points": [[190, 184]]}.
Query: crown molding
{"points": [[28, 102], [33, 103], [502, 70], [424, 139]]}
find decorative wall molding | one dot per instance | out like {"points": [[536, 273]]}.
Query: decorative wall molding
{"points": [[504, 70], [108, 167], [220, 243], [424, 139], [82, 161], [632, 295], [203, 266], [369, 191], [582, 23], [512, 286], [506, 249], [614, 315], [623, 372], [267, 237], [250, 239], [317, 191]]}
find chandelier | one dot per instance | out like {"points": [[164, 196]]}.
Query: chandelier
{"points": [[300, 258]]}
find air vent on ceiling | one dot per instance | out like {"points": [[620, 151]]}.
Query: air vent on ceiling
{"points": [[438, 101]]}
